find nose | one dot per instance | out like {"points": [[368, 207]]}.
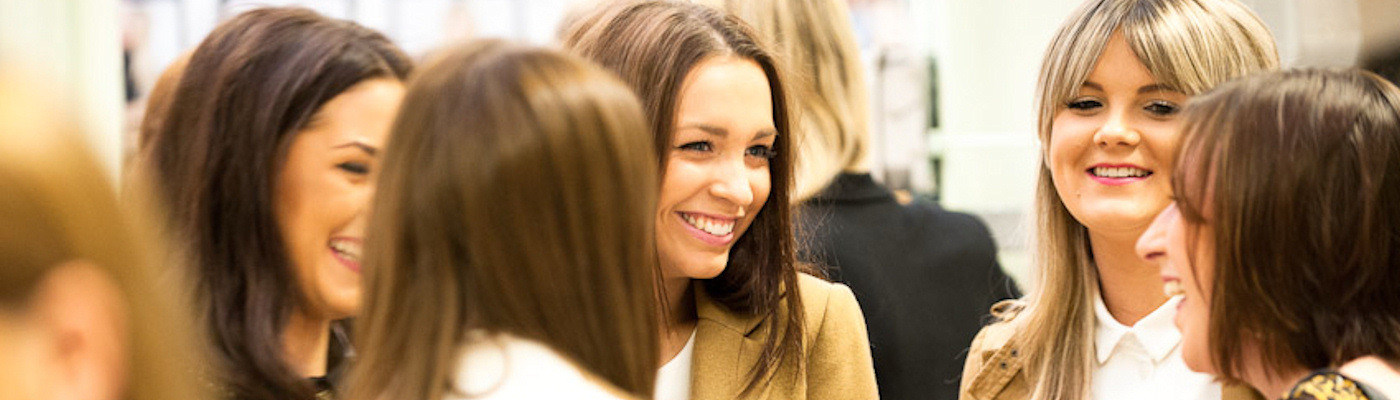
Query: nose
{"points": [[1117, 131], [1152, 245], [730, 182]]}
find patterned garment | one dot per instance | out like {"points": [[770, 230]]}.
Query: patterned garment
{"points": [[1327, 385]]}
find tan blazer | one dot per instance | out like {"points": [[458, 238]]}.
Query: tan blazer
{"points": [[836, 346], [994, 368]]}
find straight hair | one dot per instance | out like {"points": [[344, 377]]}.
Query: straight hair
{"points": [[1187, 45], [514, 198], [1297, 173], [653, 46], [247, 90]]}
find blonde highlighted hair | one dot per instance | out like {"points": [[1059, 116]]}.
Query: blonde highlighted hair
{"points": [[817, 41], [1187, 45]]}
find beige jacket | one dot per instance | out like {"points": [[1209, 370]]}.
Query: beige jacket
{"points": [[994, 368], [836, 347]]}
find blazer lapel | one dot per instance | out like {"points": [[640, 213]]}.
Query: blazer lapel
{"points": [[727, 345]]}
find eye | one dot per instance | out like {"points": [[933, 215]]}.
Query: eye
{"points": [[702, 146], [1084, 104], [1162, 108], [761, 151], [354, 168]]}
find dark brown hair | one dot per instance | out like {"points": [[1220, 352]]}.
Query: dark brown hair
{"points": [[653, 46], [1297, 173], [514, 198], [248, 88]]}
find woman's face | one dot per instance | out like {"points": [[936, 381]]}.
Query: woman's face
{"points": [[1186, 254], [1111, 145], [716, 177], [324, 190]]}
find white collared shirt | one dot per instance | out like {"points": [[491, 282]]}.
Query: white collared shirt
{"points": [[673, 379], [1143, 361], [506, 367]]}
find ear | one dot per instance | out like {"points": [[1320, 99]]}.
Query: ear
{"points": [[83, 312]]}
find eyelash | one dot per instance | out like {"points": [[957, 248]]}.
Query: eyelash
{"points": [[354, 168], [761, 151], [1162, 108], [1083, 104]]}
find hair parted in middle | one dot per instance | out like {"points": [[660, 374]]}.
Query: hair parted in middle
{"points": [[514, 198], [653, 46], [1187, 45]]}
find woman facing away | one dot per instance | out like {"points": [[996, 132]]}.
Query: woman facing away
{"points": [[265, 159], [510, 250], [737, 318], [924, 276], [1113, 81], [1284, 238], [84, 312]]}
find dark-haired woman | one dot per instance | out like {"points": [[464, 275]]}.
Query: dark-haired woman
{"points": [[504, 258], [738, 318], [265, 159], [1284, 239]]}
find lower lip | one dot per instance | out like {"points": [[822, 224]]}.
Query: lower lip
{"points": [[706, 236], [1116, 181], [348, 263]]}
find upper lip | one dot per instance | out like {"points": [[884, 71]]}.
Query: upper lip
{"points": [[712, 216]]}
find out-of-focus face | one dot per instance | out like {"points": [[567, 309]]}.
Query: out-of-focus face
{"points": [[1186, 254], [25, 372], [324, 191], [1111, 146], [717, 176]]}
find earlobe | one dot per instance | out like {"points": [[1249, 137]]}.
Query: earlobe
{"points": [[83, 314]]}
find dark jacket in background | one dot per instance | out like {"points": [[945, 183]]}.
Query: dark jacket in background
{"points": [[924, 276]]}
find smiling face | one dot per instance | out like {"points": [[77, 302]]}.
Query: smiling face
{"points": [[1111, 144], [1186, 254], [324, 190], [717, 176]]}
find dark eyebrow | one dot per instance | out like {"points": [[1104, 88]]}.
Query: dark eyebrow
{"points": [[371, 150], [721, 132]]}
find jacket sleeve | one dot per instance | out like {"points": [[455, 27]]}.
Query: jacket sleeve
{"points": [[973, 364], [838, 363]]}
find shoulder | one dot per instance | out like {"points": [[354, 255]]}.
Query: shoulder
{"points": [[995, 341], [503, 366], [827, 303]]}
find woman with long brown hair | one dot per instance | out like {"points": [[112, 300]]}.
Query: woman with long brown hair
{"points": [[1112, 83], [738, 318], [1284, 238], [510, 250], [265, 160]]}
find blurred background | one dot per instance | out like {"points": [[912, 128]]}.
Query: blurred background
{"points": [[952, 81]]}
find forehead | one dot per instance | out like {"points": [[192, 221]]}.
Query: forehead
{"points": [[726, 91], [1119, 67], [363, 112]]}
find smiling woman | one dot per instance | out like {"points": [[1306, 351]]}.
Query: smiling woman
{"points": [[265, 159]]}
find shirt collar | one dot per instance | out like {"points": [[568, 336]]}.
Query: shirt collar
{"points": [[1156, 332]]}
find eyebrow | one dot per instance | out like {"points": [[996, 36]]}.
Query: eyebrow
{"points": [[718, 131], [1156, 87], [371, 150]]}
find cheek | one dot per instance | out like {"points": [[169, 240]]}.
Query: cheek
{"points": [[761, 183]]}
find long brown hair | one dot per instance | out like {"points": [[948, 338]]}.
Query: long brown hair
{"points": [[653, 46], [247, 89], [514, 198], [58, 206], [1298, 175]]}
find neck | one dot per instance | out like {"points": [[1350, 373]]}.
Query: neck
{"points": [[1131, 287], [306, 344], [1275, 386], [679, 319]]}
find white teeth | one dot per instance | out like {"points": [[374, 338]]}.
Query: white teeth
{"points": [[709, 225], [1120, 172], [1172, 288], [350, 250]]}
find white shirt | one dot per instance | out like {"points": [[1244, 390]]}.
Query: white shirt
{"points": [[673, 380], [501, 367], [1143, 361]]}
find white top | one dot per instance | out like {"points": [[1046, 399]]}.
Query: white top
{"points": [[1143, 361], [673, 380], [502, 367]]}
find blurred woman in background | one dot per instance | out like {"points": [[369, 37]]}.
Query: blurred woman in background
{"points": [[738, 319], [1284, 239], [1113, 81], [265, 159], [84, 315], [510, 250]]}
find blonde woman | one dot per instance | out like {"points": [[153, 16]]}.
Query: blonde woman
{"points": [[83, 312], [924, 275], [1097, 323], [510, 250]]}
